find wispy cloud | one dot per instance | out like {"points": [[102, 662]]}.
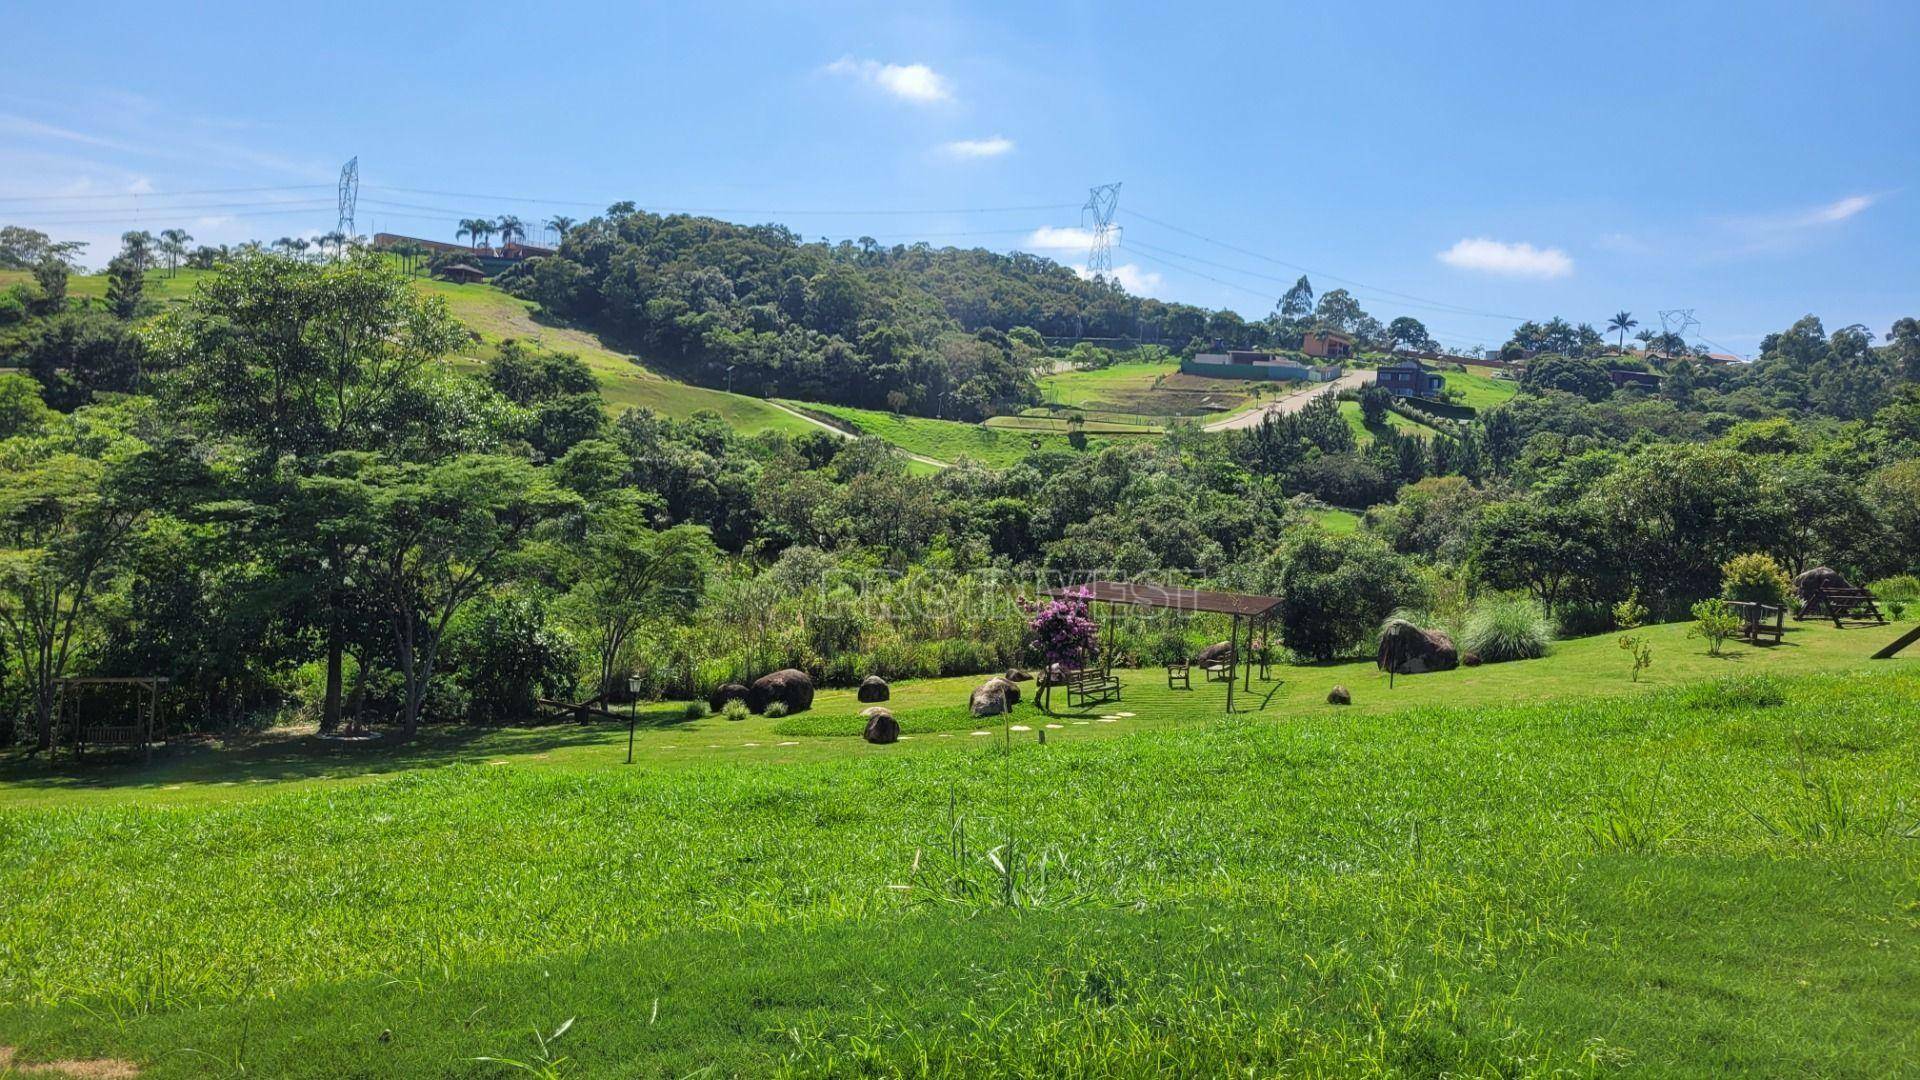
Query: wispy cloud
{"points": [[975, 149], [1059, 238], [1789, 229], [915, 83], [1508, 260]]}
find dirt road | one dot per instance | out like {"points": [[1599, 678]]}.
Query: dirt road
{"points": [[1292, 403]]}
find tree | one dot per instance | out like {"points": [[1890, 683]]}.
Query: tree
{"points": [[1411, 333], [628, 574], [126, 282], [1335, 590], [510, 228], [1338, 310], [50, 273], [435, 537], [24, 249], [137, 248], [173, 245], [295, 362], [1297, 303], [65, 519], [561, 225], [1622, 321], [1715, 620], [1555, 552]]}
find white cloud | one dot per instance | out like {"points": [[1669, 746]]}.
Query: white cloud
{"points": [[1837, 211], [1508, 260], [916, 83], [969, 149], [1131, 278], [140, 186], [1059, 238]]}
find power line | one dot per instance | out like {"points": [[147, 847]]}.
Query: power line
{"points": [[160, 194], [1321, 273], [855, 212]]}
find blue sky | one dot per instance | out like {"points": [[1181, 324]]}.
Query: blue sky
{"points": [[1465, 164]]}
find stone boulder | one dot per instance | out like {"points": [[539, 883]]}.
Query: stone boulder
{"points": [[1007, 687], [789, 686], [1405, 649], [874, 688], [882, 728], [1471, 659], [990, 698], [732, 691], [1339, 696], [1016, 675], [1809, 585], [1220, 652]]}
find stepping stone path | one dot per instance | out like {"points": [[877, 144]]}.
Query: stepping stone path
{"points": [[1124, 715], [982, 733], [1055, 727], [789, 744], [1019, 727], [1080, 723]]}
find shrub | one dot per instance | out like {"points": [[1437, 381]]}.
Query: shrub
{"points": [[1336, 589], [1755, 578], [735, 710], [1898, 587], [695, 710], [776, 710], [1630, 614], [503, 653], [1501, 628], [1716, 621]]}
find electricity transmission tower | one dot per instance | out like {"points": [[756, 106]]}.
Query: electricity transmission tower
{"points": [[349, 195], [1674, 326], [1102, 201]]}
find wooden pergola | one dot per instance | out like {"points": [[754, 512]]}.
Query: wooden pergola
{"points": [[139, 733], [1256, 611]]}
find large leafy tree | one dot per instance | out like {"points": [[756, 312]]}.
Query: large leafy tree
{"points": [[431, 538], [626, 574], [68, 506], [291, 362]]}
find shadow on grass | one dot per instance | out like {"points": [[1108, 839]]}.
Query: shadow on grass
{"points": [[283, 756]]}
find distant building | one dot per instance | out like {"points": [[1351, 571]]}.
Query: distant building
{"points": [[1247, 364], [488, 260], [1646, 380], [1410, 378], [1327, 344], [462, 273]]}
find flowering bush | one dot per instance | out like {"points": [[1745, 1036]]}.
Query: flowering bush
{"points": [[1062, 632]]}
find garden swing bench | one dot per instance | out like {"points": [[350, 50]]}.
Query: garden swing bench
{"points": [[133, 731]]}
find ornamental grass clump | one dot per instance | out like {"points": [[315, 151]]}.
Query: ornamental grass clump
{"points": [[1502, 628]]}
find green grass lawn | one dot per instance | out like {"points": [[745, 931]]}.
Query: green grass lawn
{"points": [[943, 440], [1338, 522], [1529, 868], [1356, 421], [1479, 388]]}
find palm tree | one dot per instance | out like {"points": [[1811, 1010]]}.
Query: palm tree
{"points": [[511, 228], [337, 240], [300, 246], [284, 245], [560, 224], [1623, 322], [173, 244], [474, 229]]}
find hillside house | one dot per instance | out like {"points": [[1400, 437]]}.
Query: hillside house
{"points": [[1410, 378], [1327, 345]]}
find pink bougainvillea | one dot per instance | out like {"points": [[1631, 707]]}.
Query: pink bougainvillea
{"points": [[1062, 632]]}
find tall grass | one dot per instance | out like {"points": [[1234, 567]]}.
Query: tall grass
{"points": [[1505, 627]]}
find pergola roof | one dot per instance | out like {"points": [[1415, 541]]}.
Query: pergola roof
{"points": [[1172, 597]]}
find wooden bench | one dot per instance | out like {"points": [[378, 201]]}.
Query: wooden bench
{"points": [[1180, 675], [1760, 622], [1091, 686]]}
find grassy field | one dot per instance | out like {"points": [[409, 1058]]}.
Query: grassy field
{"points": [[1479, 388], [943, 440], [1337, 522], [1144, 390], [1350, 410], [1524, 869]]}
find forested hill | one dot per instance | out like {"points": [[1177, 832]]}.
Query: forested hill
{"points": [[933, 331]]}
